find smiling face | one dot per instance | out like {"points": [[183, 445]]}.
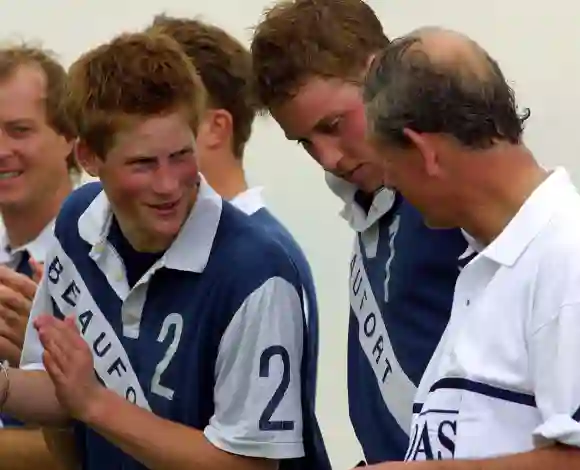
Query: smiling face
{"points": [[327, 117], [32, 154], [151, 177]]}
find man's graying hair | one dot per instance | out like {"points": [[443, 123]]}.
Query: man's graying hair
{"points": [[406, 88]]}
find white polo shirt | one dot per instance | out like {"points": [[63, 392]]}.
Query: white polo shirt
{"points": [[37, 248], [505, 377]]}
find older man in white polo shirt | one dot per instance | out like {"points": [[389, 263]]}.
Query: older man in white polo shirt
{"points": [[502, 390]]}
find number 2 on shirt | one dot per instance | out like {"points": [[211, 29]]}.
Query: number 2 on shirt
{"points": [[266, 423]]}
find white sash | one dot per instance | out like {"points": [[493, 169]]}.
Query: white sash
{"points": [[396, 388], [72, 297]]}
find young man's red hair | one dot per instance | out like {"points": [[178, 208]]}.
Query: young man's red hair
{"points": [[132, 77]]}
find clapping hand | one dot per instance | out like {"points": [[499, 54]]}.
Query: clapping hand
{"points": [[16, 295], [69, 363]]}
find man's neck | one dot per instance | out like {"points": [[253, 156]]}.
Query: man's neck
{"points": [[497, 204], [229, 188], [25, 223], [226, 176]]}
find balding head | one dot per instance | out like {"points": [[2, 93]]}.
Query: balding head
{"points": [[453, 52], [440, 81]]}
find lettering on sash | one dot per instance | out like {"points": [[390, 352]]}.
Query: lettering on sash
{"points": [[72, 297], [396, 388]]}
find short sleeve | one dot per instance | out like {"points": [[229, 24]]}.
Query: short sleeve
{"points": [[258, 411], [31, 357], [554, 356]]}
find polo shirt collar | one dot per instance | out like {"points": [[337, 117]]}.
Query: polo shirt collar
{"points": [[359, 219], [530, 220], [191, 249], [250, 201], [37, 248]]}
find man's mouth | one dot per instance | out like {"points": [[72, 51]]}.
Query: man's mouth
{"points": [[5, 175], [165, 207]]}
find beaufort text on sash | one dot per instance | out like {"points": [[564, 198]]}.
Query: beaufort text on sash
{"points": [[72, 297], [396, 388]]}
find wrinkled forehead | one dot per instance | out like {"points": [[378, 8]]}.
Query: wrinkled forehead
{"points": [[317, 101]]}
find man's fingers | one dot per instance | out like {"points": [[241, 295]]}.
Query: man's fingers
{"points": [[55, 339], [10, 352], [12, 319], [11, 298], [18, 282], [66, 329], [70, 322], [43, 320], [14, 335], [52, 365]]}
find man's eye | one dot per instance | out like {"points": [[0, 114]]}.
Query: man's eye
{"points": [[331, 127]]}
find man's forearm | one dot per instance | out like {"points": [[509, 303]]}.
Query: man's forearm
{"points": [[547, 458], [159, 443], [25, 449], [32, 399], [62, 445]]}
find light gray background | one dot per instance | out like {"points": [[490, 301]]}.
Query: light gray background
{"points": [[536, 43]]}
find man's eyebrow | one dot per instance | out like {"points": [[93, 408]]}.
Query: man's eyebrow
{"points": [[321, 124], [17, 121], [183, 151]]}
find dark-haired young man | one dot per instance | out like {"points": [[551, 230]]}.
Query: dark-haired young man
{"points": [[310, 58], [502, 390]]}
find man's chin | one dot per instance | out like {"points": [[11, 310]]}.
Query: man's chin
{"points": [[370, 188], [367, 185], [164, 231]]}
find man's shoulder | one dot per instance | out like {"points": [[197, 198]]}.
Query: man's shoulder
{"points": [[238, 232], [280, 233], [248, 252], [559, 239], [557, 251], [274, 227], [77, 203]]}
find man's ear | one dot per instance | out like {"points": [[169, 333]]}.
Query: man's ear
{"points": [[426, 149], [370, 60], [69, 145], [86, 158], [216, 129]]}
